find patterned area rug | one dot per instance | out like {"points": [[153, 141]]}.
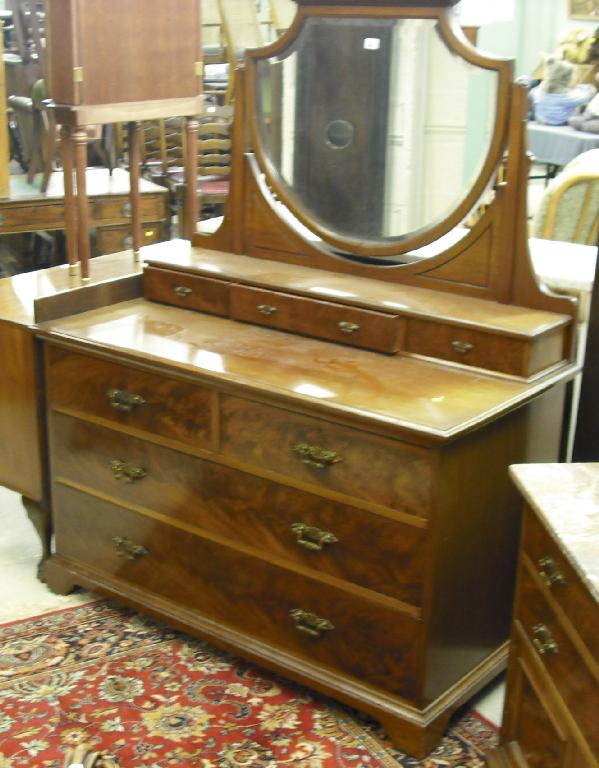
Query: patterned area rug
{"points": [[155, 698]]}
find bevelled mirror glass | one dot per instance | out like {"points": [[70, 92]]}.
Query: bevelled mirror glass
{"points": [[376, 129]]}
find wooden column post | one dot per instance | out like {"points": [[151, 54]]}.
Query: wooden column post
{"points": [[133, 129], [191, 175], [66, 151], [80, 145]]}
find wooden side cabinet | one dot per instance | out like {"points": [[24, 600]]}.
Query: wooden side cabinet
{"points": [[552, 701]]}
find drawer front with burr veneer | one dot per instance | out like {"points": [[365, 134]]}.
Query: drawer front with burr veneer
{"points": [[138, 400], [332, 627], [370, 550]]}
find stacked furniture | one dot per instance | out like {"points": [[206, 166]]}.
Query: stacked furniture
{"points": [[292, 436], [550, 716]]}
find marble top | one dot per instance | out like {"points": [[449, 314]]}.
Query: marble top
{"points": [[566, 498]]}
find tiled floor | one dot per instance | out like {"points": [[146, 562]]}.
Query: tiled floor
{"points": [[23, 595]]}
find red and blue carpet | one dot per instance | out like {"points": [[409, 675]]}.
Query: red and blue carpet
{"points": [[156, 698]]}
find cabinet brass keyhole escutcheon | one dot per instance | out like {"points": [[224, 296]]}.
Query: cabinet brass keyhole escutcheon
{"points": [[310, 623], [309, 537], [550, 572], [124, 401], [126, 548], [182, 290], [543, 640], [315, 456], [126, 472]]}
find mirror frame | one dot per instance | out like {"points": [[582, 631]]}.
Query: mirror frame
{"points": [[457, 43]]}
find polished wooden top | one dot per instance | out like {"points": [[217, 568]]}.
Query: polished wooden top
{"points": [[19, 293], [356, 291], [396, 394]]}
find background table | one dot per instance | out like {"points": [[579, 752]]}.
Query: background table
{"points": [[556, 145]]}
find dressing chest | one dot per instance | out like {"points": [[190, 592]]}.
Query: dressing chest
{"points": [[292, 436], [550, 715]]}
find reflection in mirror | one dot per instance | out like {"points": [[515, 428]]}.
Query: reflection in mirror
{"points": [[388, 146]]}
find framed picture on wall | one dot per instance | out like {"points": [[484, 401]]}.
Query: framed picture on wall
{"points": [[584, 9]]}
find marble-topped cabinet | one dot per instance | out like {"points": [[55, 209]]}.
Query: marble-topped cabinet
{"points": [[550, 717]]}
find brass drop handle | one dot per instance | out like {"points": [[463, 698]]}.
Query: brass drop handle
{"points": [[126, 472], [312, 538], [266, 309], [462, 346], [316, 456], [126, 209], [347, 327], [126, 548], [124, 401], [310, 623], [543, 639], [182, 290], [549, 572]]}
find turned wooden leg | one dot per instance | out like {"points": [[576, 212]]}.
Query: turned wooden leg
{"points": [[133, 129], [66, 151], [80, 142], [191, 175], [39, 515]]}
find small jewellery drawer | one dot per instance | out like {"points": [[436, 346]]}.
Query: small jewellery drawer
{"points": [[119, 238], [143, 401], [326, 455], [113, 209], [562, 582], [183, 289], [325, 320], [367, 549], [555, 648], [516, 356], [302, 615]]}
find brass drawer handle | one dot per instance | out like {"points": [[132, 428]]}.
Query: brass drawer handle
{"points": [[312, 538], [549, 572], [310, 623], [543, 639], [182, 290], [316, 456], [121, 400], [347, 327], [128, 241], [126, 548], [126, 209], [462, 346], [126, 472], [2, 220], [266, 309]]}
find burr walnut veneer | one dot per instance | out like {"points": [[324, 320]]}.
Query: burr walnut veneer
{"points": [[292, 437]]}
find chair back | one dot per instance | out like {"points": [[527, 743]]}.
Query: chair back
{"points": [[569, 208]]}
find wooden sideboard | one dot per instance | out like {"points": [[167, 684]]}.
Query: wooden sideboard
{"points": [[550, 717], [29, 210]]}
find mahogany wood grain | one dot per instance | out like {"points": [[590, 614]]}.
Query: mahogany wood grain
{"points": [[109, 40], [373, 551], [70, 213], [79, 140], [244, 591], [21, 453], [322, 319], [186, 290], [117, 239], [172, 408], [393, 474], [516, 356]]}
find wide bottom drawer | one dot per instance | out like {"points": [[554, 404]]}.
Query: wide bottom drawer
{"points": [[342, 631]]}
